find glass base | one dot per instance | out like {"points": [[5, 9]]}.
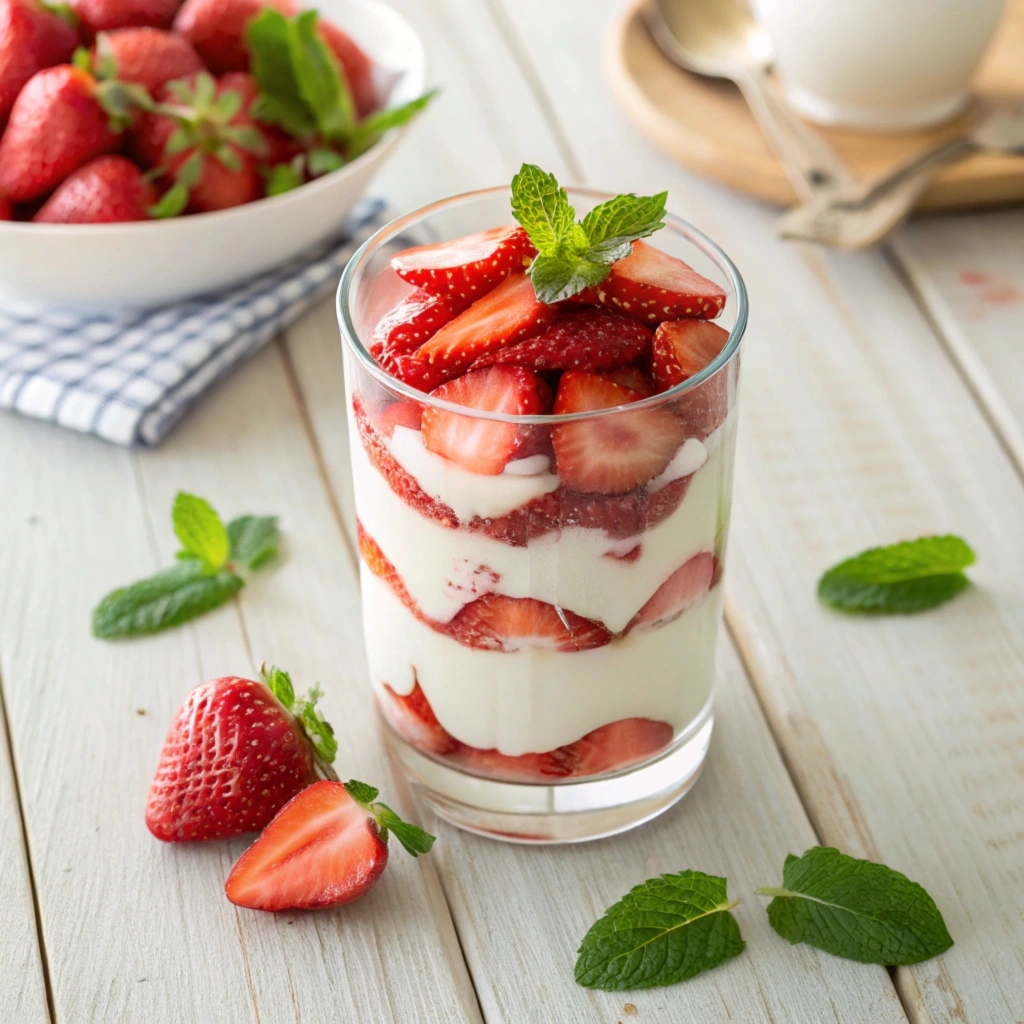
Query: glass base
{"points": [[566, 812]]}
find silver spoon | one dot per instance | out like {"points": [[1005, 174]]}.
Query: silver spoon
{"points": [[860, 214], [720, 38]]}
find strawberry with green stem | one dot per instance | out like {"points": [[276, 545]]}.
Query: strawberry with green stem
{"points": [[107, 190], [148, 56], [101, 15]]}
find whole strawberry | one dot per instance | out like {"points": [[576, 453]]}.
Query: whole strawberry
{"points": [[147, 56], [107, 190], [101, 15], [6, 213], [216, 28], [62, 118], [33, 36], [237, 751]]}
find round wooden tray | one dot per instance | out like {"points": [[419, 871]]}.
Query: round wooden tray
{"points": [[705, 124]]}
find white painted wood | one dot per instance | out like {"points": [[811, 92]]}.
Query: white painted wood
{"points": [[135, 929], [969, 272], [22, 989]]}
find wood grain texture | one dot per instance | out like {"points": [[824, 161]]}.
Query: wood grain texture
{"points": [[135, 929], [903, 735], [705, 124], [22, 986]]}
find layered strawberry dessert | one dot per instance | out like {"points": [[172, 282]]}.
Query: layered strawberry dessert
{"points": [[542, 509]]}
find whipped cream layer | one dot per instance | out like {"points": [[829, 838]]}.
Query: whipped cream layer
{"points": [[537, 699], [574, 568]]}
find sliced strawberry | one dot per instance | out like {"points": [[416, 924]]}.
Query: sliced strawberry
{"points": [[609, 748], [379, 564], [412, 322], [652, 286], [498, 623], [412, 369], [589, 339], [481, 445], [687, 585], [467, 267], [412, 717], [322, 849], [506, 314], [631, 377], [401, 482], [614, 453], [401, 414], [683, 348]]}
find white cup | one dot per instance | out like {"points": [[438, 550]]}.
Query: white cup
{"points": [[878, 64]]}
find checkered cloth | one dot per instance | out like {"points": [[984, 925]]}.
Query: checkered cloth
{"points": [[129, 377]]}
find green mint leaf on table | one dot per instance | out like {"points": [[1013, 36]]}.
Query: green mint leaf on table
{"points": [[201, 531], [855, 909], [317, 729], [571, 256], [663, 931], [253, 540], [412, 837], [902, 578], [170, 597]]}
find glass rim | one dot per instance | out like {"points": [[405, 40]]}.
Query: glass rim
{"points": [[350, 336]]}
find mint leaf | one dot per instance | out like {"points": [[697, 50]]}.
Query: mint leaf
{"points": [[571, 256], [170, 597], [253, 540], [268, 39], [200, 530], [320, 81], [414, 839], [614, 225], [663, 931], [856, 909], [902, 578], [373, 126], [362, 792], [542, 207]]}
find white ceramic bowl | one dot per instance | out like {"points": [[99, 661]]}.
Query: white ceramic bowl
{"points": [[151, 263]]}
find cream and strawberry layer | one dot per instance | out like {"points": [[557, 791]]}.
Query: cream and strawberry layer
{"points": [[536, 698]]}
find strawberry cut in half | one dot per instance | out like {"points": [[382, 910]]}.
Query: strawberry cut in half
{"points": [[482, 445], [412, 717], [495, 622], [682, 348], [652, 286], [614, 453], [586, 340], [326, 847], [682, 590], [237, 751], [413, 322], [381, 566], [467, 267], [509, 313], [631, 377]]}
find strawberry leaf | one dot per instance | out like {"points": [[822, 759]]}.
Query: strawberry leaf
{"points": [[170, 597], [370, 129], [280, 684], [283, 178], [253, 540], [171, 203], [201, 531], [318, 730], [362, 792], [414, 839], [323, 160]]}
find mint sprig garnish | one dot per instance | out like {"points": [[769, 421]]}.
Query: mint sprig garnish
{"points": [[206, 576], [317, 729], [901, 578], [663, 931], [303, 91], [573, 256], [856, 909], [414, 839]]}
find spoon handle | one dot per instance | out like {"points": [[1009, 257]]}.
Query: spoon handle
{"points": [[810, 164]]}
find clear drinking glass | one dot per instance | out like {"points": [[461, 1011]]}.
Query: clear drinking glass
{"points": [[557, 740]]}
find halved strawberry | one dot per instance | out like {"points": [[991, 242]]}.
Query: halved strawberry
{"points": [[467, 267], [401, 414], [687, 585], [608, 748], [499, 623], [327, 846], [506, 314], [481, 445], [412, 717], [586, 340], [682, 348], [379, 564], [631, 377], [412, 322], [398, 479], [652, 286], [614, 453]]}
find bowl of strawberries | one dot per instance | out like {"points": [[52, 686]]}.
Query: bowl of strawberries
{"points": [[153, 150]]}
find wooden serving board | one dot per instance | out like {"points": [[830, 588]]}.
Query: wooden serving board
{"points": [[705, 124]]}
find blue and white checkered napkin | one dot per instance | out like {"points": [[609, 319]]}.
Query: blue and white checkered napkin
{"points": [[130, 377]]}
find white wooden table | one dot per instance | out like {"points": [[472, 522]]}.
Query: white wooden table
{"points": [[883, 398]]}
